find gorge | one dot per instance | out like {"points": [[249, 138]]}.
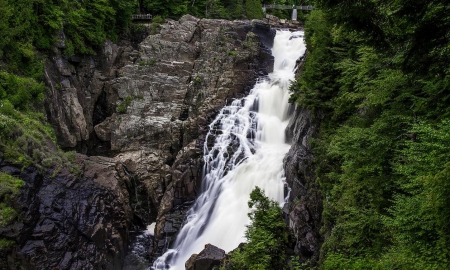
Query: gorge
{"points": [[139, 115], [112, 128]]}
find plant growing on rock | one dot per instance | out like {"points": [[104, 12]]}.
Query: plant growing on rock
{"points": [[122, 108]]}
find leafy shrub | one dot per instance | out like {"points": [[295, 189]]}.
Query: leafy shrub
{"points": [[21, 92], [9, 187], [267, 237]]}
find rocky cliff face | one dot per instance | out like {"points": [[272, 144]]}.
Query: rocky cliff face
{"points": [[304, 209], [68, 221], [145, 108]]}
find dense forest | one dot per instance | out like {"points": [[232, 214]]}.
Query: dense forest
{"points": [[377, 77]]}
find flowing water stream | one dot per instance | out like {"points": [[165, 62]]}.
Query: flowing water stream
{"points": [[244, 148]]}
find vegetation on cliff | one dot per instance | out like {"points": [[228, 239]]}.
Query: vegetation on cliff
{"points": [[29, 29], [378, 78]]}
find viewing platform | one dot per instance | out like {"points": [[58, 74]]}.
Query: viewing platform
{"points": [[141, 17], [293, 7], [287, 7]]}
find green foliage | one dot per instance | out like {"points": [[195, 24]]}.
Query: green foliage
{"points": [[122, 108], [166, 8], [9, 187], [381, 155], [5, 244], [6, 11], [20, 92], [237, 8], [158, 19], [420, 216], [25, 139], [253, 9], [35, 24], [267, 236], [156, 25]]}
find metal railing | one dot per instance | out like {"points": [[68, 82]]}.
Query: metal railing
{"points": [[287, 7], [142, 16]]}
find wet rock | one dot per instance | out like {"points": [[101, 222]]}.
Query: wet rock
{"points": [[68, 221], [303, 211], [209, 258]]}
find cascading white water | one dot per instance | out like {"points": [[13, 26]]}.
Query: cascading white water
{"points": [[248, 151]]}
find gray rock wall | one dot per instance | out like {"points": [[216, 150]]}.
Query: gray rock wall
{"points": [[304, 209], [147, 108]]}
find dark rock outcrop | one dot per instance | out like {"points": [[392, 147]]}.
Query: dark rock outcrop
{"points": [[68, 221], [304, 210], [209, 258]]}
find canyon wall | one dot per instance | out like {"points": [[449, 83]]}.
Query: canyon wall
{"points": [[137, 114]]}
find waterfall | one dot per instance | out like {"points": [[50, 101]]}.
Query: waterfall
{"points": [[244, 148]]}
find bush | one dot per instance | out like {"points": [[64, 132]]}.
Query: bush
{"points": [[21, 92], [267, 236], [9, 187]]}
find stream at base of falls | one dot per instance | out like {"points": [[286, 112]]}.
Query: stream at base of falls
{"points": [[248, 151]]}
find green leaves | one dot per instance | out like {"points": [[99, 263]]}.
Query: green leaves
{"points": [[9, 187], [253, 9], [377, 76], [21, 92], [267, 236]]}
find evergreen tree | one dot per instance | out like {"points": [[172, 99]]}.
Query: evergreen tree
{"points": [[5, 10], [166, 8], [379, 83], [253, 9], [237, 9]]}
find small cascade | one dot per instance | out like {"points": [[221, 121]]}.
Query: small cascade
{"points": [[244, 148]]}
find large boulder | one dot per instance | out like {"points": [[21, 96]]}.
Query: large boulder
{"points": [[209, 258]]}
